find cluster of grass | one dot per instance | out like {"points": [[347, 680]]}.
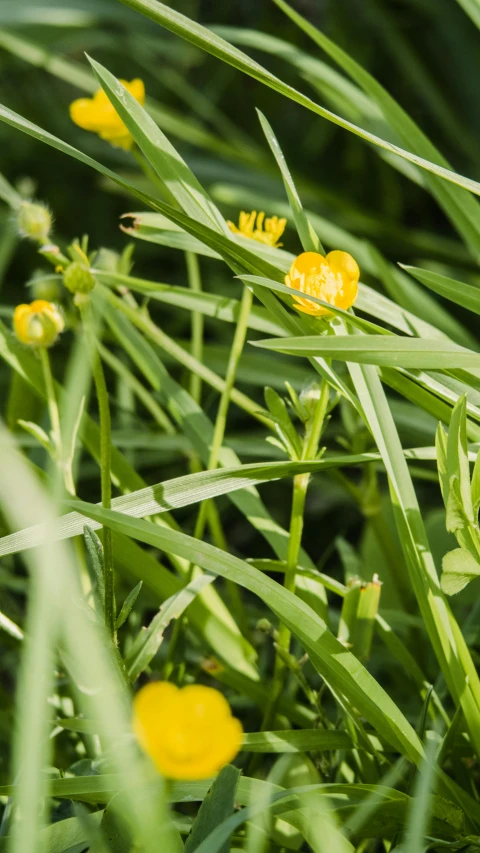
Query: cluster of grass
{"points": [[200, 483]]}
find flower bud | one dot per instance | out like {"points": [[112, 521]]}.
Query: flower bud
{"points": [[78, 279], [107, 260], [38, 324], [34, 221]]}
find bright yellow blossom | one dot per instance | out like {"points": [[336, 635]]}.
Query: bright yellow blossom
{"points": [[333, 278], [188, 732], [38, 324], [100, 116], [252, 225]]}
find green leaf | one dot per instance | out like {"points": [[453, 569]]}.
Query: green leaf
{"points": [[77, 724], [9, 194], [199, 429], [445, 635], [462, 294], [185, 491], [305, 740], [462, 209], [476, 486], [166, 161], [114, 829], [459, 568], [149, 640], [448, 819], [457, 456], [62, 836], [472, 8], [210, 304], [156, 228], [209, 41], [308, 237], [95, 552], [382, 350], [331, 659], [128, 605], [19, 123], [38, 433], [216, 807], [282, 421], [355, 321]]}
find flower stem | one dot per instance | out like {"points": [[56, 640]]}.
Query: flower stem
{"points": [[221, 419], [51, 398], [195, 284], [217, 441], [55, 419], [300, 486], [105, 462]]}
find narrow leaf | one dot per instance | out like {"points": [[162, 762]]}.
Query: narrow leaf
{"points": [[388, 350], [128, 605], [216, 807]]}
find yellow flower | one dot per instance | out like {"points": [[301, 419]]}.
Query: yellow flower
{"points": [[38, 324], [100, 116], [188, 732], [250, 225], [333, 279]]}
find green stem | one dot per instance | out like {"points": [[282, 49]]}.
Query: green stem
{"points": [[221, 419], [217, 441], [55, 419], [195, 284], [105, 462], [300, 486], [143, 322], [51, 398], [160, 417]]}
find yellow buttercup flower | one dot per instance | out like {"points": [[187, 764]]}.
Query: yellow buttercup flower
{"points": [[38, 324], [100, 116], [188, 732], [333, 278], [256, 227]]}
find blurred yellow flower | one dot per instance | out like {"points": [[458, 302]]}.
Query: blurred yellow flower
{"points": [[252, 225], [38, 324], [188, 732], [100, 116], [333, 278]]}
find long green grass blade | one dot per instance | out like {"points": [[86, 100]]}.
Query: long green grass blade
{"points": [[207, 40]]}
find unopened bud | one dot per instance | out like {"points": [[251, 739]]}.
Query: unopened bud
{"points": [[107, 260], [78, 279], [34, 221]]}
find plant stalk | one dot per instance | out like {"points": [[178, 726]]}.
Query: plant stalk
{"points": [[300, 486], [105, 462], [55, 419]]}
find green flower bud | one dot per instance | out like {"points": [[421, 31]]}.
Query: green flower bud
{"points": [[78, 279], [34, 221], [107, 260]]}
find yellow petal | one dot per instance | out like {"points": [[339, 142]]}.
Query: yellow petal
{"points": [[189, 733], [136, 88], [343, 263]]}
